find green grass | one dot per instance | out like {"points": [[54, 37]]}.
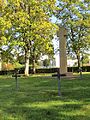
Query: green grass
{"points": [[37, 98]]}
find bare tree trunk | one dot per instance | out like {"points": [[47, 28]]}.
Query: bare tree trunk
{"points": [[27, 56], [34, 70], [78, 58], [33, 64]]}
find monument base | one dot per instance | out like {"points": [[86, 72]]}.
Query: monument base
{"points": [[69, 74]]}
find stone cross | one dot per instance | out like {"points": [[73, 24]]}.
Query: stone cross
{"points": [[16, 71]]}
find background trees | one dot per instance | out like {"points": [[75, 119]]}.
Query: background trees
{"points": [[26, 24], [75, 16], [30, 27]]}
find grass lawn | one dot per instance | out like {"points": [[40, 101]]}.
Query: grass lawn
{"points": [[37, 98]]}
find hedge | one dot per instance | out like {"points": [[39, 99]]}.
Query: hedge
{"points": [[75, 69], [46, 70]]}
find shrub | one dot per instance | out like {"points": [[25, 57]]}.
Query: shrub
{"points": [[7, 66]]}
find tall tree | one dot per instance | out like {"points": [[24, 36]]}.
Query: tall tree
{"points": [[31, 26], [5, 24], [75, 16]]}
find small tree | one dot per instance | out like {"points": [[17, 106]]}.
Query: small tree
{"points": [[46, 62]]}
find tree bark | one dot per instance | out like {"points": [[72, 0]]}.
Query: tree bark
{"points": [[34, 70], [27, 56], [78, 58]]}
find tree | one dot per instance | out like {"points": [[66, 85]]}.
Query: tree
{"points": [[75, 16], [46, 62], [39, 49], [31, 27], [4, 25], [85, 59]]}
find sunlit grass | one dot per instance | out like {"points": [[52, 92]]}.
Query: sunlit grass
{"points": [[37, 98]]}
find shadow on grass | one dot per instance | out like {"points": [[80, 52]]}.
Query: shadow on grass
{"points": [[52, 112], [37, 99]]}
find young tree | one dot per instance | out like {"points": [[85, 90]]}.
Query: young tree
{"points": [[46, 62]]}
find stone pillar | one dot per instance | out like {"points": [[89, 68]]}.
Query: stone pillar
{"points": [[62, 46]]}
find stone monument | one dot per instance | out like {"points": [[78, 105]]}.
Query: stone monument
{"points": [[62, 46]]}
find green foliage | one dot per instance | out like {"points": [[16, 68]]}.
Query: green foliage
{"points": [[17, 65], [31, 21], [85, 59], [7, 66], [46, 62], [27, 24], [75, 16]]}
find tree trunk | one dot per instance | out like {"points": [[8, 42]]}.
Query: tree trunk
{"points": [[33, 64], [78, 58], [27, 56], [34, 70]]}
